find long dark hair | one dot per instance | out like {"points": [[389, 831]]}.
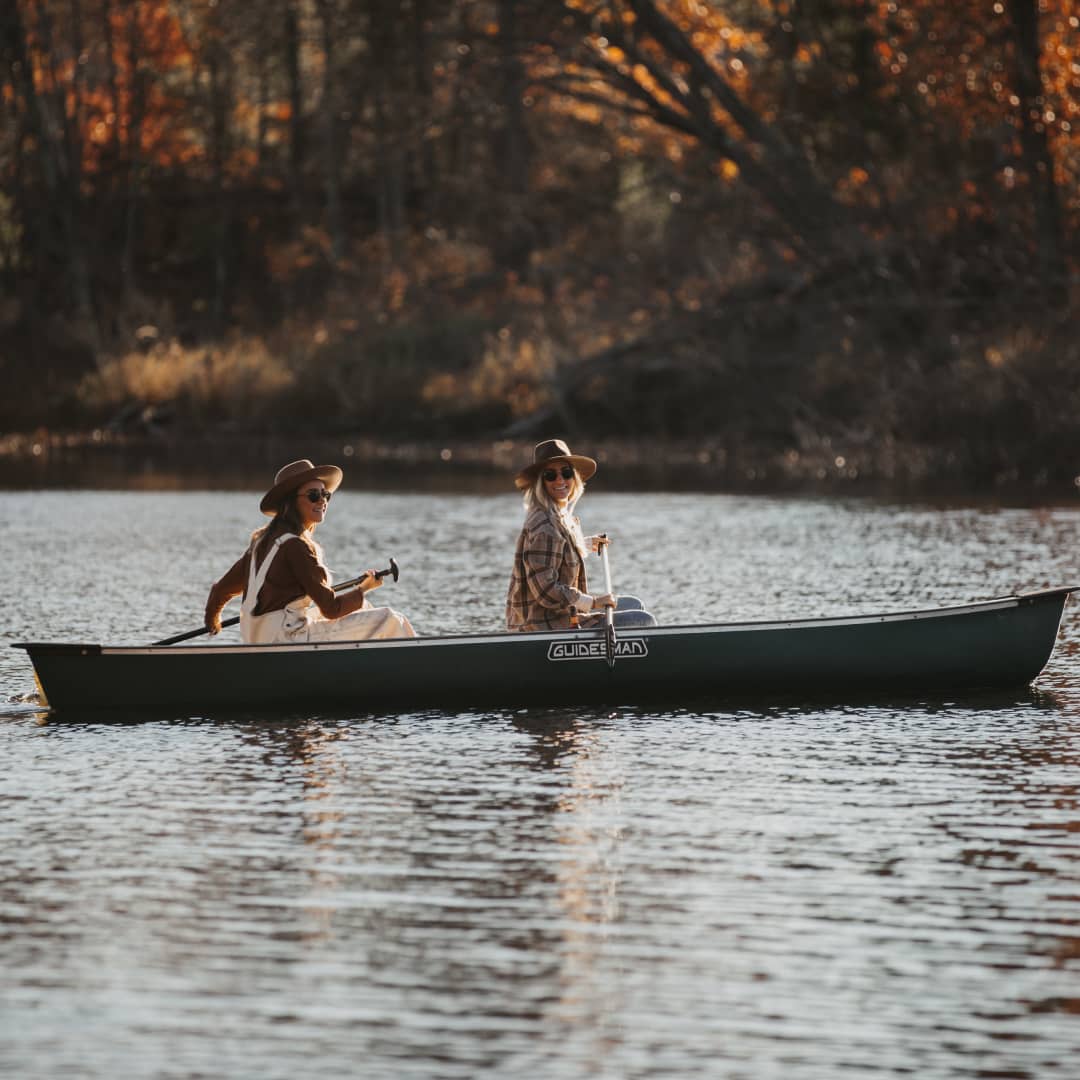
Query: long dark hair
{"points": [[286, 520]]}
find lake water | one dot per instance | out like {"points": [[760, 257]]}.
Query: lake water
{"points": [[750, 891]]}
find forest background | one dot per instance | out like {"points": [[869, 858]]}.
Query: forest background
{"points": [[789, 238]]}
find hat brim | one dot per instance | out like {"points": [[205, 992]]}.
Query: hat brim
{"points": [[585, 466], [330, 475]]}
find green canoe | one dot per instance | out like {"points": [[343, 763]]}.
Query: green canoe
{"points": [[994, 643]]}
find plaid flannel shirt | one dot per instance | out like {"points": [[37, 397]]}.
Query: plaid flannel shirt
{"points": [[548, 577]]}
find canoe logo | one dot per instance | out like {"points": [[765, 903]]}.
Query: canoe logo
{"points": [[596, 650]]}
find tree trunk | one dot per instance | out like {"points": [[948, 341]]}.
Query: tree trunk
{"points": [[515, 241], [133, 155], [220, 102], [296, 109], [1037, 158], [263, 63], [113, 83], [24, 116], [425, 167], [389, 155], [62, 169], [331, 152]]}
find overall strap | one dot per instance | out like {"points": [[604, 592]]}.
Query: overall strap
{"points": [[257, 575]]}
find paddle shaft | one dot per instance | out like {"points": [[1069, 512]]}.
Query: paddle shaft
{"points": [[609, 634], [391, 569]]}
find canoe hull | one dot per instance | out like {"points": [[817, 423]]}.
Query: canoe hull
{"points": [[1001, 643]]}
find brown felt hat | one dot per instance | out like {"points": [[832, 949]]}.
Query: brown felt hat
{"points": [[553, 450], [292, 477]]}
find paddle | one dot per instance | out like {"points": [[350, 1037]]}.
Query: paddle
{"points": [[609, 634], [392, 569]]}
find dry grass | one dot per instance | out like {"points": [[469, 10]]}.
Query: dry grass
{"points": [[231, 379], [515, 373]]}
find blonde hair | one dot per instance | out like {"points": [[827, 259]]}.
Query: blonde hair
{"points": [[537, 496]]}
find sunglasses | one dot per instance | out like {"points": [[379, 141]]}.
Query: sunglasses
{"points": [[315, 495], [566, 472]]}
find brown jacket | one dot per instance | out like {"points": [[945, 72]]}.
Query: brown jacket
{"points": [[548, 577], [295, 572]]}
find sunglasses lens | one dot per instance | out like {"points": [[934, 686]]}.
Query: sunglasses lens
{"points": [[567, 473], [317, 496]]}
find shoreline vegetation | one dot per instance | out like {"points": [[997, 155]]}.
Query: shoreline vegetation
{"points": [[736, 246], [100, 459]]}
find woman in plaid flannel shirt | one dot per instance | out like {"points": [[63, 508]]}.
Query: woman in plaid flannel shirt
{"points": [[548, 578]]}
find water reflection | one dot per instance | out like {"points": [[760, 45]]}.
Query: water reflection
{"points": [[493, 882]]}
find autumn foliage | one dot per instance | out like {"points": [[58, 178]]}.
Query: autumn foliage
{"points": [[760, 225]]}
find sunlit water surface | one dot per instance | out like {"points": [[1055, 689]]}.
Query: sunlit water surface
{"points": [[743, 890]]}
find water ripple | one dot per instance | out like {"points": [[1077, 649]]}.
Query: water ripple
{"points": [[874, 889]]}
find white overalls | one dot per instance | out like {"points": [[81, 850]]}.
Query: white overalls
{"points": [[300, 621]]}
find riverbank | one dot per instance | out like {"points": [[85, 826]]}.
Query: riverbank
{"points": [[242, 461]]}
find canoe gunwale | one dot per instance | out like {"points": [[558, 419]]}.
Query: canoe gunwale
{"points": [[682, 629]]}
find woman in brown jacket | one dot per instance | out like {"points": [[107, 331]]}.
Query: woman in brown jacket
{"points": [[549, 578], [287, 596]]}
